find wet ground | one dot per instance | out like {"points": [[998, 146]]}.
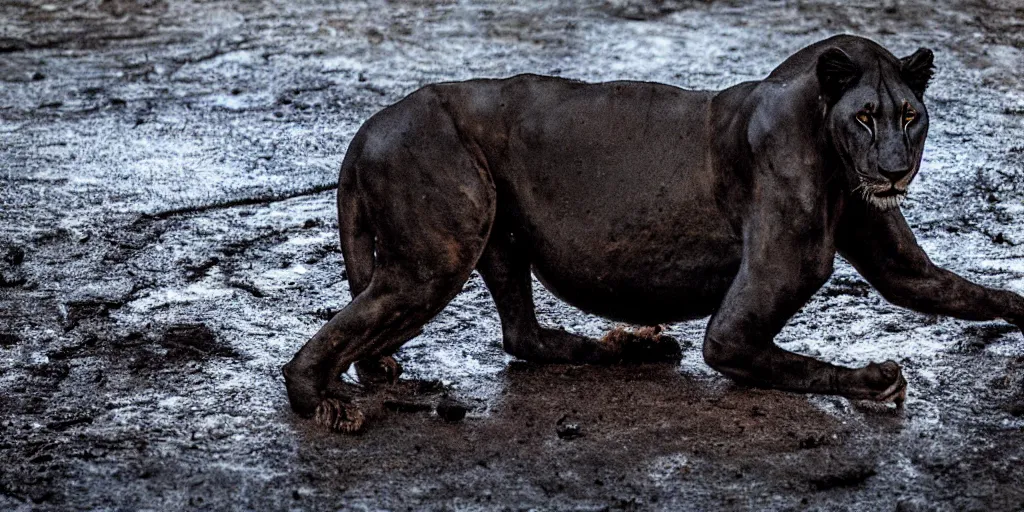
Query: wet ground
{"points": [[168, 240]]}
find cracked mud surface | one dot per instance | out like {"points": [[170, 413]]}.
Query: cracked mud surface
{"points": [[166, 244]]}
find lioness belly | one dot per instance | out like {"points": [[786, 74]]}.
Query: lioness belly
{"points": [[632, 256], [689, 285], [611, 188]]}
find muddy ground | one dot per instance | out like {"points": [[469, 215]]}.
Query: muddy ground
{"points": [[168, 240]]}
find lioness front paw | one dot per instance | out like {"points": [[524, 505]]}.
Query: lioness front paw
{"points": [[880, 382]]}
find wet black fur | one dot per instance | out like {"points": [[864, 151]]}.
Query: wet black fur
{"points": [[642, 203]]}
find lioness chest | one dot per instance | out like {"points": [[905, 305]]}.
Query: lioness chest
{"points": [[610, 188]]}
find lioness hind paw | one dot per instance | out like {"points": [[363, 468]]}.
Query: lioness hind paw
{"points": [[644, 345], [381, 371], [333, 414]]}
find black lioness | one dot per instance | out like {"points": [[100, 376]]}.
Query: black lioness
{"points": [[642, 203]]}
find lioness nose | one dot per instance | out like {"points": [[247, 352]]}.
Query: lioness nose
{"points": [[894, 176]]}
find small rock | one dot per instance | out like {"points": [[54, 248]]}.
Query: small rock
{"points": [[8, 339], [569, 431], [12, 279], [375, 36], [451, 411], [14, 255], [851, 476]]}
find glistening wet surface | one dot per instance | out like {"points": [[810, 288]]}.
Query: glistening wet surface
{"points": [[169, 241]]}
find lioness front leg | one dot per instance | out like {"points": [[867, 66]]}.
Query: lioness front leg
{"points": [[774, 281], [881, 246]]}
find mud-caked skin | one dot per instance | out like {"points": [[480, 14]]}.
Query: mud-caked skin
{"points": [[646, 204]]}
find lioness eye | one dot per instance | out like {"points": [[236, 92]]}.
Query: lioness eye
{"points": [[908, 116]]}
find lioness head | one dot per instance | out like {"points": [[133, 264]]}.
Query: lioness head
{"points": [[876, 120]]}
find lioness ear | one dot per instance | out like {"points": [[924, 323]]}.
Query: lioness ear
{"points": [[836, 73], [917, 69]]}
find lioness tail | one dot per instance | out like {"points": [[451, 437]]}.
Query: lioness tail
{"points": [[357, 237]]}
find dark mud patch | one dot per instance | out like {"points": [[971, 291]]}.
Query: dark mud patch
{"points": [[406, 405], [74, 349], [238, 248], [409, 396], [199, 270], [145, 351], [257, 199], [194, 341], [75, 310], [248, 287], [96, 301], [842, 285], [848, 477], [1015, 406], [182, 147], [451, 410], [62, 425], [979, 336], [12, 279], [8, 340]]}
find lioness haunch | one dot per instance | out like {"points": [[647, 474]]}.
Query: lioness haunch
{"points": [[643, 203]]}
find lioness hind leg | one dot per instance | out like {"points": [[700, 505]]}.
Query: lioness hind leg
{"points": [[429, 204], [392, 310], [400, 299], [505, 269]]}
